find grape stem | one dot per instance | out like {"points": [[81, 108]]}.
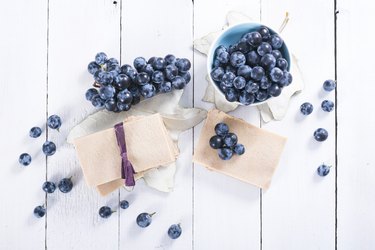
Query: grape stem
{"points": [[96, 85], [152, 214], [284, 23], [327, 165]]}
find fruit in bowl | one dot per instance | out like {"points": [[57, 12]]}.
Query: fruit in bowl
{"points": [[249, 63]]}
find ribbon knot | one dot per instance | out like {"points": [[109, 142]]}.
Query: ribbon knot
{"points": [[127, 170], [124, 155]]}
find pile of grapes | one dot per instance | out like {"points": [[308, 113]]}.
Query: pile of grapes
{"points": [[117, 87], [253, 69]]}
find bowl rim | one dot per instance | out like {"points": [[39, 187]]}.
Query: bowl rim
{"points": [[211, 50]]}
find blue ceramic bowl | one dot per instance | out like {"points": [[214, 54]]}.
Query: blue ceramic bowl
{"points": [[232, 35]]}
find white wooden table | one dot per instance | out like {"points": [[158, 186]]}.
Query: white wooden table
{"points": [[45, 46]]}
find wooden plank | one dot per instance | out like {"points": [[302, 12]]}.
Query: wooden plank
{"points": [[23, 46], [226, 211], [160, 33], [356, 172], [299, 208], [77, 31]]}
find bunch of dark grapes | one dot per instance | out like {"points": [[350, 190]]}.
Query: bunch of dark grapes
{"points": [[253, 69], [117, 87]]}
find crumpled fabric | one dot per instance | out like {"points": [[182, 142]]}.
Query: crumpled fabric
{"points": [[275, 108], [176, 119]]}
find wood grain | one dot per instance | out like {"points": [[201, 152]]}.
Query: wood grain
{"points": [[298, 210], [45, 47], [77, 31], [23, 65], [226, 211], [165, 29], [355, 130]]}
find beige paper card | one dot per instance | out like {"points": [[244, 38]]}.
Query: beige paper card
{"points": [[262, 150], [148, 146]]}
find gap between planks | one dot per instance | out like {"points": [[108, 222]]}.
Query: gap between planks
{"points": [[46, 158]]}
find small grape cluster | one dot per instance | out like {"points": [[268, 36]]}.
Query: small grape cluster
{"points": [[253, 69], [117, 87], [225, 142]]}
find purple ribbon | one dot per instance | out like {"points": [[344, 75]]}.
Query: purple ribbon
{"points": [[127, 170]]}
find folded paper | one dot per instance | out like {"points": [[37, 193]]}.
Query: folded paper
{"points": [[148, 145], [256, 166]]}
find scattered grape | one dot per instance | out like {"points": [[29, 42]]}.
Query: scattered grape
{"points": [[306, 108], [323, 170], [65, 185], [321, 134], [174, 231], [144, 219], [327, 105], [124, 204], [329, 85], [49, 148], [54, 122], [35, 132], [49, 187], [39, 211], [24, 159], [105, 212]]}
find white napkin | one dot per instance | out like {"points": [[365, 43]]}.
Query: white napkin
{"points": [[275, 108]]}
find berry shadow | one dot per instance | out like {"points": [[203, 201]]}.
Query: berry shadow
{"points": [[76, 175], [32, 220], [17, 168], [165, 241], [300, 117], [55, 178], [313, 144], [114, 204], [85, 78], [317, 178], [129, 197], [135, 230], [52, 199], [232, 187], [321, 114], [322, 94]]}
